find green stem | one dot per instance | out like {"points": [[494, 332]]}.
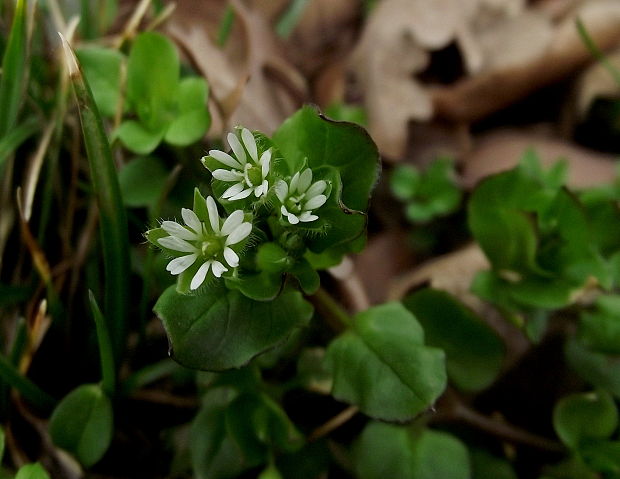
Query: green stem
{"points": [[596, 51], [332, 310], [108, 371]]}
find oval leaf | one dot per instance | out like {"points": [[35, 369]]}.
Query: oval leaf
{"points": [[474, 353], [382, 365], [82, 423], [224, 329]]}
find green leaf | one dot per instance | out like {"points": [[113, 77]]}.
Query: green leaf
{"points": [[499, 222], [2, 443], [14, 69], [11, 376], [138, 138], [153, 79], [309, 138], [487, 466], [382, 366], [602, 456], [193, 94], [82, 424], [388, 451], [223, 329], [345, 112], [213, 452], [137, 192], [584, 416], [16, 136], [188, 128], [102, 68], [258, 425], [600, 370], [112, 219], [600, 330], [474, 353], [32, 471]]}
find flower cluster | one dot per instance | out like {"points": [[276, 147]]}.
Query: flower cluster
{"points": [[211, 242], [207, 244]]}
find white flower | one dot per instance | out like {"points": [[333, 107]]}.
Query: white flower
{"points": [[249, 176], [300, 197], [210, 243]]}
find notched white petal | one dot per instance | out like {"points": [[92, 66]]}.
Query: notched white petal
{"points": [[226, 159], [237, 149], [178, 265], [306, 217], [304, 180], [218, 268], [281, 190], [214, 216], [234, 220], [175, 229], [243, 194], [240, 233], [177, 244], [200, 275], [294, 181], [191, 219], [315, 202], [231, 257], [250, 143], [265, 161], [227, 175], [316, 189], [233, 190]]}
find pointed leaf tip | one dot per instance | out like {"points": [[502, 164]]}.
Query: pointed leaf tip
{"points": [[71, 60]]}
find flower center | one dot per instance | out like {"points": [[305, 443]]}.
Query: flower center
{"points": [[212, 247], [253, 175], [293, 204]]}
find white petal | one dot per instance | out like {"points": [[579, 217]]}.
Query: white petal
{"points": [[218, 269], [233, 190], [261, 189], [227, 175], [214, 216], [250, 143], [231, 257], [292, 219], [178, 265], [191, 219], [304, 180], [234, 220], [237, 149], [240, 233], [265, 161], [316, 189], [281, 190], [175, 229], [200, 275], [306, 217], [294, 180], [243, 194], [315, 202], [177, 244], [226, 159]]}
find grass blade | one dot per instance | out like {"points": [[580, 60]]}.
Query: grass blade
{"points": [[14, 66], [106, 354], [25, 386], [596, 51], [290, 18], [112, 217], [15, 137]]}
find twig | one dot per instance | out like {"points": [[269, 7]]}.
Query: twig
{"points": [[334, 423], [453, 409]]}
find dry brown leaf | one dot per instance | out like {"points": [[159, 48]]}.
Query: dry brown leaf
{"points": [[502, 150], [251, 82], [474, 98], [515, 40]]}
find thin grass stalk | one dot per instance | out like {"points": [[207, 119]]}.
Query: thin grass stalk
{"points": [[112, 217]]}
